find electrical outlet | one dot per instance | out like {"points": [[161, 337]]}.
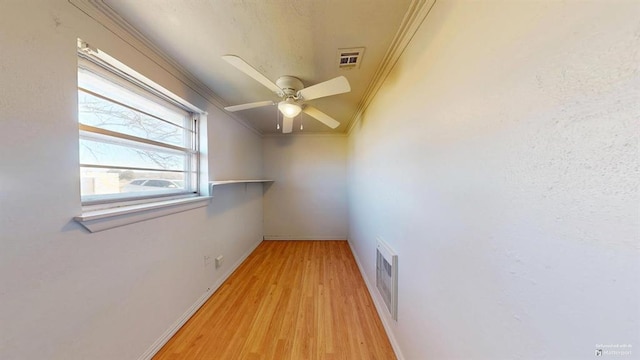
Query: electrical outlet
{"points": [[219, 261], [207, 260]]}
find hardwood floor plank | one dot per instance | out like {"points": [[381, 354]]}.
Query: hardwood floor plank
{"points": [[288, 300]]}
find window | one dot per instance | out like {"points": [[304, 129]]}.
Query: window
{"points": [[137, 143]]}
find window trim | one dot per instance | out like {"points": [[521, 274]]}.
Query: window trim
{"points": [[104, 219]]}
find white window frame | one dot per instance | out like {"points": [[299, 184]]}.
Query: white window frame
{"points": [[101, 212]]}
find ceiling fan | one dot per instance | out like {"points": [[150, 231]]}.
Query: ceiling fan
{"points": [[293, 94]]}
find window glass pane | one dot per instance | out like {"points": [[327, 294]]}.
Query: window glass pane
{"points": [[104, 114], [136, 140], [96, 182], [99, 85], [93, 152]]}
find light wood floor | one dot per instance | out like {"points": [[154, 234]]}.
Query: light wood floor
{"points": [[288, 300]]}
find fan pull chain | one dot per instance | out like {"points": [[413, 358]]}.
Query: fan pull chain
{"points": [[301, 127], [277, 119]]}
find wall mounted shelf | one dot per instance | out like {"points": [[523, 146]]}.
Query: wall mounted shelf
{"points": [[226, 182], [223, 182]]}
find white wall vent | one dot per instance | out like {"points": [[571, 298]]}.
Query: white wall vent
{"points": [[387, 276], [350, 58]]}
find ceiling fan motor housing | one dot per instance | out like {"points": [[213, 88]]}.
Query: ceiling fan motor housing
{"points": [[290, 85]]}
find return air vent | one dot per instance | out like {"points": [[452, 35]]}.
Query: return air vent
{"points": [[350, 58], [387, 277]]}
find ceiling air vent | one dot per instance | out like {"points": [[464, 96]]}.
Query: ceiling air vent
{"points": [[350, 58]]}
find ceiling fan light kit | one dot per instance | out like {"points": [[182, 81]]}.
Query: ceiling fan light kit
{"points": [[293, 94], [289, 108]]}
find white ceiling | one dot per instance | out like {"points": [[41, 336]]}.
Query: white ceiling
{"points": [[299, 38]]}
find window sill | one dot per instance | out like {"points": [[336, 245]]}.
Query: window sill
{"points": [[99, 220]]}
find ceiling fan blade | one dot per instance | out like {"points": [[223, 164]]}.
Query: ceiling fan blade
{"points": [[334, 86], [287, 125], [322, 117], [248, 106], [249, 70]]}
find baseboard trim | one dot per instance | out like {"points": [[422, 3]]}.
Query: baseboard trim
{"points": [[380, 307], [286, 237], [158, 344]]}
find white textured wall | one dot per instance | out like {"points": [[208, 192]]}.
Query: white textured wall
{"points": [[68, 294], [500, 160], [308, 199]]}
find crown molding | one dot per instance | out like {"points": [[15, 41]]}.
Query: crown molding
{"points": [[413, 18], [107, 17]]}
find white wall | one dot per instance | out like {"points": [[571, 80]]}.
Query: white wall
{"points": [[308, 200], [66, 293], [500, 160]]}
